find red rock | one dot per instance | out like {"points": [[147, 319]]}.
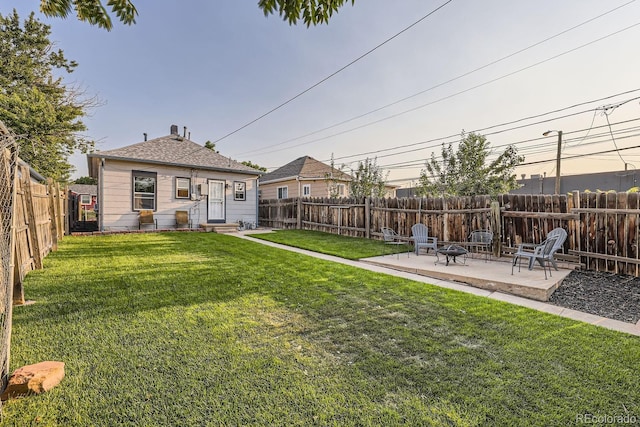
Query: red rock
{"points": [[35, 379]]}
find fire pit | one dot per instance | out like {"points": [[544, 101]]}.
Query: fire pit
{"points": [[452, 251]]}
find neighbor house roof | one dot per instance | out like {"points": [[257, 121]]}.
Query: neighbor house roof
{"points": [[84, 189], [304, 168], [173, 150]]}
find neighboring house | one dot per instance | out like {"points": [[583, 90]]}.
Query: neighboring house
{"points": [[84, 196], [82, 200], [170, 174], [304, 177]]}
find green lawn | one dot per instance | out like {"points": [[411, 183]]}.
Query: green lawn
{"points": [[331, 244], [191, 329]]}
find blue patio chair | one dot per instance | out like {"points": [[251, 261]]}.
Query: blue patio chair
{"points": [[421, 239]]}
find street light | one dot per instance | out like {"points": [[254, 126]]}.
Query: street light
{"points": [[547, 133]]}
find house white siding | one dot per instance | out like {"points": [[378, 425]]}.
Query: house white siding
{"points": [[116, 210]]}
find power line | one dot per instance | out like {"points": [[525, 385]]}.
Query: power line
{"points": [[481, 130], [439, 84], [335, 72], [459, 92], [544, 161]]}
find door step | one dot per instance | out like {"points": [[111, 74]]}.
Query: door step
{"points": [[220, 228]]}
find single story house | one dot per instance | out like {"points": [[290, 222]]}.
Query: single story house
{"points": [[171, 175], [308, 177], [304, 177]]}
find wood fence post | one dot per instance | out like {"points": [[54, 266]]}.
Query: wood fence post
{"points": [[52, 215], [576, 224], [367, 217], [496, 227], [59, 211], [299, 214]]}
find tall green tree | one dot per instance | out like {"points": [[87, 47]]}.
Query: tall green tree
{"points": [[468, 171], [368, 180], [35, 104], [311, 12]]}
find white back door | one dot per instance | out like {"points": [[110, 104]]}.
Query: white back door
{"points": [[216, 208]]}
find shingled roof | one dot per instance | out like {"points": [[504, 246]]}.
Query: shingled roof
{"points": [[304, 167], [174, 150]]}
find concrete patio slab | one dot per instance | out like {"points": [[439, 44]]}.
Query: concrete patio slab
{"points": [[493, 275]]}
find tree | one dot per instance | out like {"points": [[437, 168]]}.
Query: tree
{"points": [[86, 180], [255, 166], [368, 180], [35, 105], [468, 172], [211, 146], [311, 12]]}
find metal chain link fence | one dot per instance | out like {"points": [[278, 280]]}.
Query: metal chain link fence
{"points": [[8, 182]]}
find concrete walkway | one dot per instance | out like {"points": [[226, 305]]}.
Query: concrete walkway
{"points": [[616, 325]]}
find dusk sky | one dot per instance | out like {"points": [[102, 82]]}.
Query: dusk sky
{"points": [[507, 69]]}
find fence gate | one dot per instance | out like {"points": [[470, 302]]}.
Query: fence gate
{"points": [[8, 185]]}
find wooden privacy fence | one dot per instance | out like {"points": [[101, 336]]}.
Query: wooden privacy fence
{"points": [[602, 228], [40, 211]]}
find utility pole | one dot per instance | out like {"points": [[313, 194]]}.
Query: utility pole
{"points": [[558, 155]]}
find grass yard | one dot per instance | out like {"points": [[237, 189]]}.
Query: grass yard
{"points": [[331, 244], [191, 329]]}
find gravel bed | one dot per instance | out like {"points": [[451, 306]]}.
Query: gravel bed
{"points": [[614, 296]]}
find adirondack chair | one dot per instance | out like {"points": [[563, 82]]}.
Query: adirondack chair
{"points": [[543, 253], [421, 239], [182, 219], [146, 218]]}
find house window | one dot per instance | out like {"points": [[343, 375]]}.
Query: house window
{"points": [[183, 188], [144, 190], [306, 190], [239, 190], [283, 192], [341, 188], [85, 199]]}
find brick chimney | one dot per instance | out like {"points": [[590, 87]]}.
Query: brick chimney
{"points": [[174, 129]]}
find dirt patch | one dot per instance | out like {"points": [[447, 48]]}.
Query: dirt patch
{"points": [[614, 296]]}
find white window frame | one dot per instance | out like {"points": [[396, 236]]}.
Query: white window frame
{"points": [[239, 190], [142, 196], [341, 190], [283, 191], [84, 198], [181, 185], [306, 190]]}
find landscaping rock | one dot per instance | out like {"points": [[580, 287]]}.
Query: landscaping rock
{"points": [[35, 379], [614, 296]]}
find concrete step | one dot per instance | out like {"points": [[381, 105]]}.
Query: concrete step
{"points": [[220, 228]]}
